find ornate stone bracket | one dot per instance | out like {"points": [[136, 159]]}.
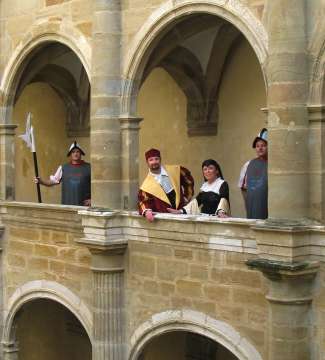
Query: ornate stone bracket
{"points": [[10, 351]]}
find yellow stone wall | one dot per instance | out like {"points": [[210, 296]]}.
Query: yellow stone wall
{"points": [[135, 13], [49, 121], [162, 104], [46, 252], [216, 283], [20, 16]]}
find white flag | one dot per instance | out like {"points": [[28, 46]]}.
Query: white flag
{"points": [[28, 137]]}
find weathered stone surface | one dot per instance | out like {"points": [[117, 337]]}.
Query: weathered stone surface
{"points": [[193, 265], [171, 270], [143, 265]]}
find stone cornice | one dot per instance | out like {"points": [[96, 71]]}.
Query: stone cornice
{"points": [[44, 216], [103, 230]]}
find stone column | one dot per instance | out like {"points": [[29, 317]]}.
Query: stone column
{"points": [[7, 161], [290, 294], [105, 134], [316, 162], [283, 250], [130, 161], [287, 119], [103, 237], [109, 339]]}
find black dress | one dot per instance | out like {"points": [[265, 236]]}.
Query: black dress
{"points": [[209, 197]]}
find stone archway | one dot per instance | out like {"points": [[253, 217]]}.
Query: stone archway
{"points": [[194, 322], [41, 33], [165, 43], [150, 33], [21, 70], [36, 290]]}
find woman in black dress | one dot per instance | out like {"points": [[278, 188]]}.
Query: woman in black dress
{"points": [[213, 198]]}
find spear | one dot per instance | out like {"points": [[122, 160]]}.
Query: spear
{"points": [[28, 137]]}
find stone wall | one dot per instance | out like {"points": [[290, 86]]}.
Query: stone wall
{"points": [[39, 244], [17, 17], [162, 276]]}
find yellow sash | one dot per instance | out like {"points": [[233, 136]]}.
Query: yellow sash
{"points": [[151, 186]]}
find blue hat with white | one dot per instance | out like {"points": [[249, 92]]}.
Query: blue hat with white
{"points": [[261, 136]]}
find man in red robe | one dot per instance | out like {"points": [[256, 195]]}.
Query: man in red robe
{"points": [[169, 186]]}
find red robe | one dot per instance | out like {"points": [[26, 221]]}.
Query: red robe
{"points": [[152, 196]]}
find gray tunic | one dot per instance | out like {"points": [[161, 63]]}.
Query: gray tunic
{"points": [[75, 183], [256, 179]]}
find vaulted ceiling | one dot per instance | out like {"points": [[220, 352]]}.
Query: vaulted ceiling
{"points": [[196, 52], [56, 65]]}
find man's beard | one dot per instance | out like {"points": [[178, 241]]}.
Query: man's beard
{"points": [[155, 167]]}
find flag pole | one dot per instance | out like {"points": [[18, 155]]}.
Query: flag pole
{"points": [[33, 148], [36, 175]]}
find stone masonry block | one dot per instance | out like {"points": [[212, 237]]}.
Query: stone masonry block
{"points": [[85, 28], [183, 254], [77, 270], [45, 250], [171, 270], [68, 254], [58, 267], [167, 289], [257, 336], [248, 298], [152, 249], [83, 256], [59, 238], [207, 307], [143, 265], [240, 277], [199, 272], [181, 302], [53, 2], [151, 287], [21, 247], [189, 288], [16, 261], [217, 293], [232, 314], [38, 264], [24, 233]]}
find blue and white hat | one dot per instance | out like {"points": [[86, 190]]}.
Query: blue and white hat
{"points": [[261, 136], [73, 146]]}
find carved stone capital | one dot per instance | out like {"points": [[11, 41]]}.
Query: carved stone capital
{"points": [[7, 129]]}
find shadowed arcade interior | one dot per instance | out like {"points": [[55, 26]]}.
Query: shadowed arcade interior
{"points": [[181, 345], [201, 95], [54, 87], [47, 330]]}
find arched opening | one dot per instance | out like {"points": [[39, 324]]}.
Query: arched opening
{"points": [[53, 85], [45, 329], [201, 93], [183, 345]]}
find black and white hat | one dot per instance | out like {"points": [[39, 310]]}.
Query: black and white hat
{"points": [[261, 136], [73, 146]]}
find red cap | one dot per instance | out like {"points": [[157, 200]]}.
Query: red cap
{"points": [[152, 153]]}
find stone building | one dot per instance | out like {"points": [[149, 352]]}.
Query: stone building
{"points": [[197, 79]]}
